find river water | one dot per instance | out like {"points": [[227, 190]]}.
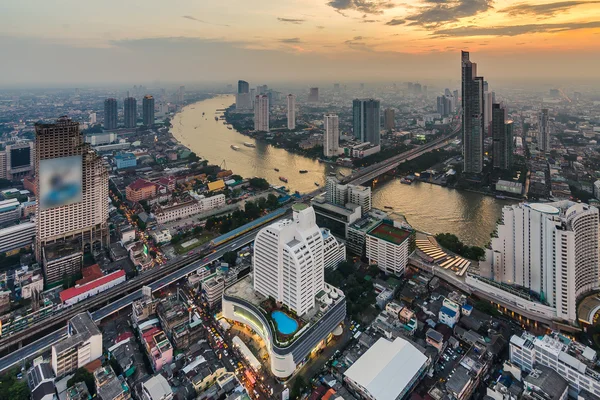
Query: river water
{"points": [[470, 216]]}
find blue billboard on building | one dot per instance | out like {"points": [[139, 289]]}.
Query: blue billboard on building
{"points": [[60, 181]]}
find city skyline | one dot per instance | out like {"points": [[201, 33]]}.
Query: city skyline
{"points": [[419, 38]]}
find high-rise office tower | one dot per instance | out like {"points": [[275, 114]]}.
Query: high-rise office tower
{"points": [[261, 113], [543, 134], [444, 105], [72, 210], [262, 89], [487, 113], [550, 249], [130, 112], [502, 140], [389, 119], [365, 120], [148, 110], [331, 138], [456, 105], [288, 260], [342, 194], [110, 113], [243, 87], [447, 92], [92, 118], [291, 112], [472, 116], [313, 95]]}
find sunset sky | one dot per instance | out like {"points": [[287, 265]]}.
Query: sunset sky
{"points": [[202, 40]]}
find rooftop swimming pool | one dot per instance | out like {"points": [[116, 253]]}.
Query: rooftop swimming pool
{"points": [[286, 325]]}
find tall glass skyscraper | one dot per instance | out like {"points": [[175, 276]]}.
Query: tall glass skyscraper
{"points": [[243, 87], [472, 115], [502, 147], [148, 110], [366, 120]]}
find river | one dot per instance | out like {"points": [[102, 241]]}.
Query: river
{"points": [[430, 208]]}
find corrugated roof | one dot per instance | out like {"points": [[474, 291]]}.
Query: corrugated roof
{"points": [[76, 291]]}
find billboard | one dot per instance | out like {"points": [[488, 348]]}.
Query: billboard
{"points": [[20, 157], [60, 181]]}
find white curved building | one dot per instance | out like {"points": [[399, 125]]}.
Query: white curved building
{"points": [[288, 279], [549, 249]]}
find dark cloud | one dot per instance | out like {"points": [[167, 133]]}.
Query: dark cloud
{"points": [[291, 20], [514, 30], [543, 10], [291, 40], [368, 21], [191, 18], [438, 13], [363, 6], [396, 21]]}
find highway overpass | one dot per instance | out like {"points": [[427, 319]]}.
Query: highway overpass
{"points": [[375, 170], [180, 269]]}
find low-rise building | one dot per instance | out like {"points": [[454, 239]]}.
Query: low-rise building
{"points": [[92, 287], [79, 391], [40, 380], [17, 237], [449, 313], [140, 190], [383, 373], [83, 345], [156, 388], [108, 386], [158, 348], [125, 160], [139, 256], [162, 236]]}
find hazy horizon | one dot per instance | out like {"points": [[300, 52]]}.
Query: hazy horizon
{"points": [[320, 41]]}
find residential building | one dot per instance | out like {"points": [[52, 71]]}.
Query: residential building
{"points": [[288, 271], [487, 112], [162, 236], [110, 114], [141, 190], [360, 195], [389, 119], [435, 339], [556, 263], [291, 112], [125, 160], [472, 116], [82, 345], [388, 247], [545, 383], [40, 380], [543, 131], [361, 150], [575, 362], [356, 238], [366, 120], [157, 388], [335, 217], [19, 159], [139, 256], [444, 105], [334, 252], [79, 213], [130, 112], [157, 346], [186, 208], [383, 373], [342, 194], [261, 113], [502, 138], [78, 391], [449, 313], [108, 386], [148, 110], [331, 138]]}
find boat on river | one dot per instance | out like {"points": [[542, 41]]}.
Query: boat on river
{"points": [[276, 169], [234, 147], [303, 171], [248, 144], [283, 179], [317, 184]]}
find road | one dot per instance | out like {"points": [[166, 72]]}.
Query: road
{"points": [[47, 341], [380, 168]]}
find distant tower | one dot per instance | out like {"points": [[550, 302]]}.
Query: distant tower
{"points": [[543, 134], [291, 112], [148, 110], [365, 120], [313, 96], [181, 95], [110, 113], [472, 116], [261, 113], [488, 101], [389, 117], [331, 138], [502, 140], [243, 87], [130, 112]]}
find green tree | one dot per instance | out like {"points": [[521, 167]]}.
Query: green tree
{"points": [[298, 387], [236, 177], [272, 201], [193, 157], [83, 375], [5, 183], [259, 183], [230, 257]]}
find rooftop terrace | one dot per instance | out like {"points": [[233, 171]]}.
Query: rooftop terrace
{"points": [[390, 233]]}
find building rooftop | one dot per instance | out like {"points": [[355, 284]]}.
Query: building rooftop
{"points": [[389, 233], [383, 370], [82, 329], [548, 381], [80, 289], [141, 184], [157, 387]]}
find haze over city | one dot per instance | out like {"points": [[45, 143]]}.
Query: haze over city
{"points": [[308, 41]]}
